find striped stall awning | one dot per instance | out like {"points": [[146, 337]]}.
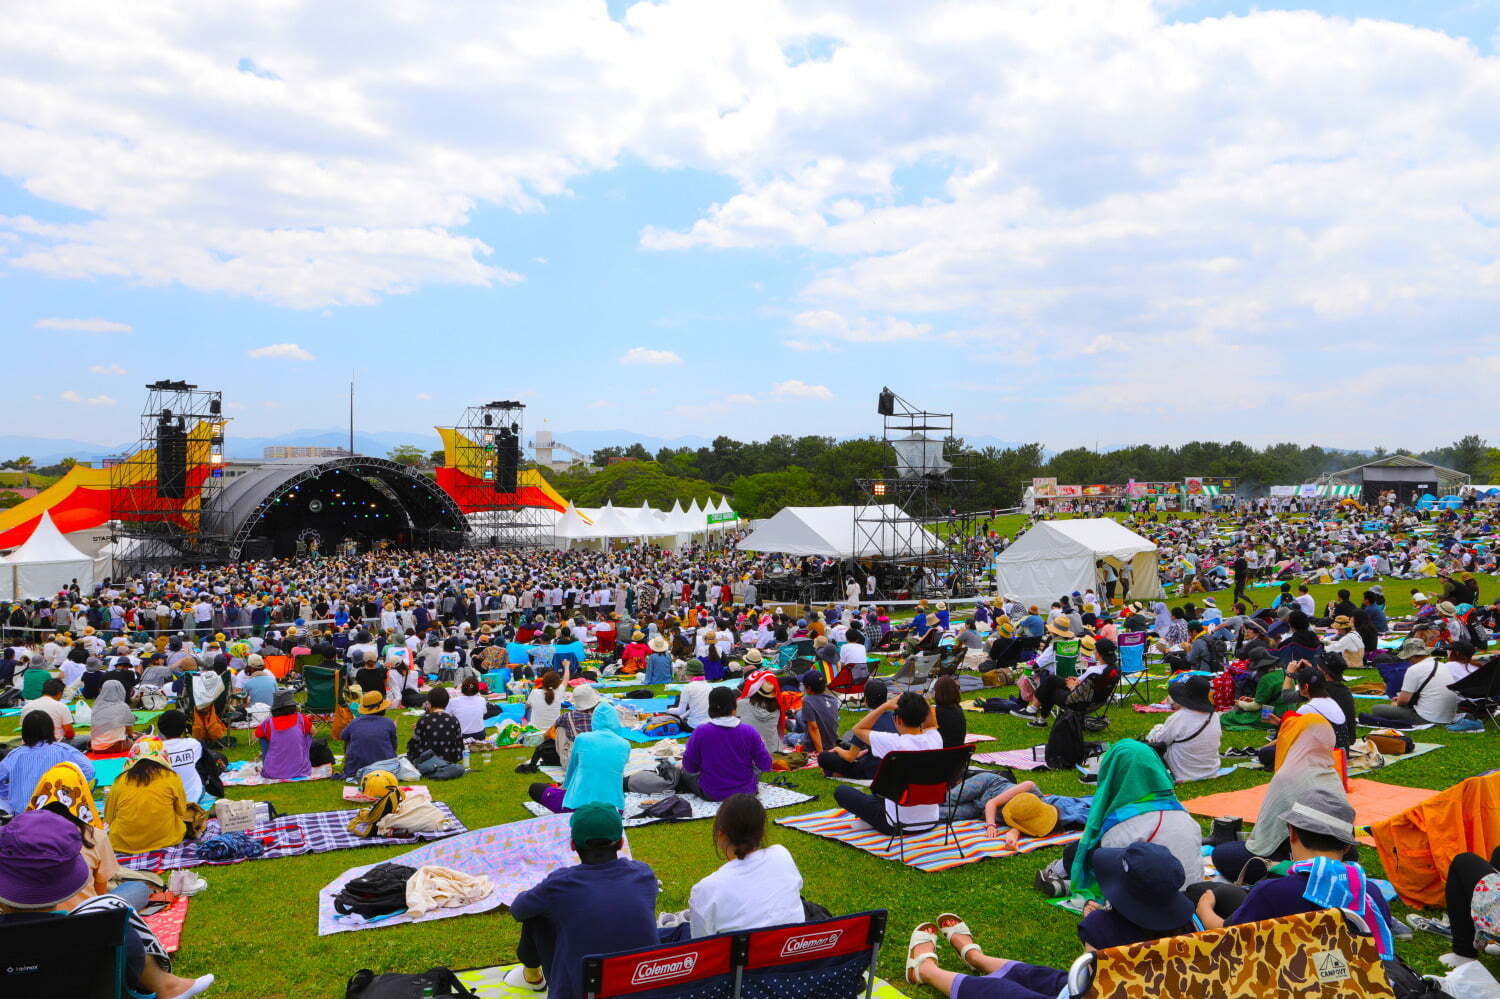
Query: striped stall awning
{"points": [[1337, 491]]}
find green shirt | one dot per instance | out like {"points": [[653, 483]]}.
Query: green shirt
{"points": [[32, 681]]}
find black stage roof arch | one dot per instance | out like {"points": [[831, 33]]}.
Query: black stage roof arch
{"points": [[285, 507]]}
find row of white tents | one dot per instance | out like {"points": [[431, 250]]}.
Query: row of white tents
{"points": [[44, 565], [586, 527]]}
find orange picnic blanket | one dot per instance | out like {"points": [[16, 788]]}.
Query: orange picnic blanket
{"points": [[1418, 845], [1373, 802]]}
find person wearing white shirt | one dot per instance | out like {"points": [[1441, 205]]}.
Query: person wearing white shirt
{"points": [[757, 886], [1189, 740], [916, 728], [692, 707], [853, 654], [1305, 601]]}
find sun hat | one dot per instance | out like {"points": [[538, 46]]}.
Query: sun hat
{"points": [[1087, 643], [754, 657], [41, 860], [585, 697], [372, 702], [637, 636], [1030, 815], [1143, 882], [596, 822], [1412, 648], [1343, 621], [659, 644], [1447, 609], [1321, 811], [151, 748], [694, 667], [283, 699], [1419, 598], [1192, 693], [1061, 626]]}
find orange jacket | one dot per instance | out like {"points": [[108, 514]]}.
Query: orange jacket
{"points": [[1418, 845]]}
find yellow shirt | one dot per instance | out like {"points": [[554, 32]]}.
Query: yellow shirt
{"points": [[149, 817]]}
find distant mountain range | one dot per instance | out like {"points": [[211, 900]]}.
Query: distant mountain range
{"points": [[50, 450]]}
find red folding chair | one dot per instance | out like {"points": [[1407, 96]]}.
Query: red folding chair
{"points": [[913, 777], [704, 967], [844, 686]]}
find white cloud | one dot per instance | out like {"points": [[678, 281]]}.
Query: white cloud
{"points": [[83, 325], [423, 396], [283, 352], [94, 400], [106, 369], [810, 345], [794, 389], [860, 329], [645, 355], [601, 404]]}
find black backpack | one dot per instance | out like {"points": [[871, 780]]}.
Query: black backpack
{"points": [[379, 891], [1066, 746], [434, 982]]}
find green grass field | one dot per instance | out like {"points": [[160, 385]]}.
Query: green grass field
{"points": [[256, 925]]}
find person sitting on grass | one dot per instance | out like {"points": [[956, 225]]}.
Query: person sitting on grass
{"points": [[43, 874], [726, 755], [1320, 834], [22, 767], [147, 808], [437, 732], [602, 905], [854, 760], [916, 728], [285, 739], [191, 762], [112, 728], [371, 737], [596, 767], [1189, 739], [1143, 886]]}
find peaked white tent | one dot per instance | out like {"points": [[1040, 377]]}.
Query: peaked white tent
{"points": [[1060, 556], [46, 563], [821, 530]]}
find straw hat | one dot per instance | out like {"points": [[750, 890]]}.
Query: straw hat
{"points": [[1061, 626], [372, 703], [754, 657], [659, 644]]}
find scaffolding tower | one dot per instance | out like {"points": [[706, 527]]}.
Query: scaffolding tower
{"points": [[490, 440], [157, 487], [897, 511]]}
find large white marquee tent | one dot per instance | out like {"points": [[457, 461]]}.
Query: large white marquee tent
{"points": [[45, 564], [578, 527], [827, 531], [1055, 557]]}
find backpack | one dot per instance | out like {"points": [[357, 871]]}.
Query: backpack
{"points": [[1066, 746], [435, 982], [318, 754], [379, 891], [1407, 984]]}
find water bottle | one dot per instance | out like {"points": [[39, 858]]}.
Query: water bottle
{"points": [[466, 757]]}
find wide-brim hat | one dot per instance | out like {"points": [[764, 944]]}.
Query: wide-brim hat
{"points": [[1143, 882], [1447, 609], [1343, 621], [1412, 648], [1061, 626], [1193, 693], [659, 644], [372, 702], [754, 657], [41, 860], [585, 698]]}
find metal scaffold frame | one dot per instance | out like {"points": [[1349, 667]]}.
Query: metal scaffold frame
{"points": [[159, 486], [497, 518]]}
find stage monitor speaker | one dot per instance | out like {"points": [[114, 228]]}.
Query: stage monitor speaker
{"points": [[171, 460], [887, 405], [507, 460]]}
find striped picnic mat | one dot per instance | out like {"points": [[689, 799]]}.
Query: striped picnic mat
{"points": [[926, 852]]}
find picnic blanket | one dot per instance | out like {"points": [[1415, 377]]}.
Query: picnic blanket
{"points": [[639, 759], [769, 795], [1373, 802], [290, 836], [1418, 749], [645, 705], [142, 719], [167, 923], [106, 772], [515, 856], [489, 983], [1016, 759], [925, 852], [239, 774]]}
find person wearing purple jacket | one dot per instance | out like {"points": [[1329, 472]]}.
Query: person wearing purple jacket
{"points": [[726, 756]]}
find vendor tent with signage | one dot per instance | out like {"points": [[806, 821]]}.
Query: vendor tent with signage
{"points": [[1056, 557]]}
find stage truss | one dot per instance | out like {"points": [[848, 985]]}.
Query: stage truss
{"points": [[157, 487], [490, 438]]}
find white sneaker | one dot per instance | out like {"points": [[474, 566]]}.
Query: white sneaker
{"points": [[516, 978], [190, 884]]}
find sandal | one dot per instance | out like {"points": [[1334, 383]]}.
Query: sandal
{"points": [[920, 935], [958, 926]]}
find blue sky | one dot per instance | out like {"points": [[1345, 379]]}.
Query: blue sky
{"points": [[1105, 222]]}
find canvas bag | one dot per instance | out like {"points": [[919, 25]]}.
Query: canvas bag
{"points": [[235, 815]]}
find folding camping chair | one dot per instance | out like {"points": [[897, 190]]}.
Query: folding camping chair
{"points": [[828, 959], [844, 684], [916, 670], [1479, 693], [82, 958], [1133, 673], [914, 777], [325, 692], [1337, 958]]}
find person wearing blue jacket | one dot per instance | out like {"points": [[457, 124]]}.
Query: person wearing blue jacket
{"points": [[596, 768]]}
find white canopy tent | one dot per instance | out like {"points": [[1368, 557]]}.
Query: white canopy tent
{"points": [[821, 530], [45, 564], [1056, 557]]}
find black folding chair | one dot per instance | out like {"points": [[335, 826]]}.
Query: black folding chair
{"points": [[64, 957], [1479, 693], [914, 777]]}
